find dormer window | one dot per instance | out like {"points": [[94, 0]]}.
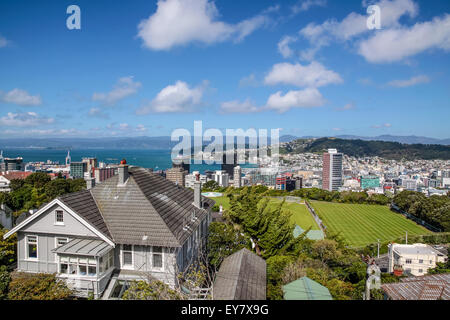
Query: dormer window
{"points": [[59, 217]]}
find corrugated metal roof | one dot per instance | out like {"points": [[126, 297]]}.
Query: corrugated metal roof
{"points": [[306, 289], [429, 287], [242, 276], [84, 247]]}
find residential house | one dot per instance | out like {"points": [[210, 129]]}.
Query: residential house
{"points": [[414, 259], [135, 225], [305, 289]]}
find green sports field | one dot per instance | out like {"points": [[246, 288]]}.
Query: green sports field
{"points": [[361, 224], [300, 214]]}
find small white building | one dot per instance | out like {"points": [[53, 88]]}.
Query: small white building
{"points": [[415, 259]]}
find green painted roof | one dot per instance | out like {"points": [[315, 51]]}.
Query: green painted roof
{"points": [[312, 234], [306, 289]]}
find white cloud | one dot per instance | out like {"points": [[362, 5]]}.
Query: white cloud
{"points": [[20, 97], [409, 82], [175, 98], [396, 44], [236, 106], [26, 119], [306, 98], [283, 46], [124, 87], [179, 22], [98, 113], [354, 24], [378, 126], [348, 106], [248, 81], [306, 5], [312, 75]]}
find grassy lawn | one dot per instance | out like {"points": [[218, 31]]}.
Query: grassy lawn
{"points": [[361, 224], [300, 214]]}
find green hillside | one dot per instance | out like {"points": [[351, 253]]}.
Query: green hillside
{"points": [[361, 148]]}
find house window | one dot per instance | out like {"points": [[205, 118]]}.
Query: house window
{"points": [[157, 257], [408, 261], [32, 247], [127, 255], [59, 217], [61, 241], [420, 261], [420, 270]]}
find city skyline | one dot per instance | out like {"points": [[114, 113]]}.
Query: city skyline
{"points": [[310, 68]]}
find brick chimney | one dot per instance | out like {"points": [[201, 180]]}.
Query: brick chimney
{"points": [[123, 172]]}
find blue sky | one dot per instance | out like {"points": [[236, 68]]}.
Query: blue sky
{"points": [[309, 67]]}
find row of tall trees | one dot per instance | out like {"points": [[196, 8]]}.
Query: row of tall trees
{"points": [[435, 209]]}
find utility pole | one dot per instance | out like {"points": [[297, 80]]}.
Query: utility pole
{"points": [[378, 251]]}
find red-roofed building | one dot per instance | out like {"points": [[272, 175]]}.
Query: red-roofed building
{"points": [[6, 177]]}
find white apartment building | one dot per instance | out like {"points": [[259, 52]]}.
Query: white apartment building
{"points": [[222, 178], [415, 259], [237, 182]]}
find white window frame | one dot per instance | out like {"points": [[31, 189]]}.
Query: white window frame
{"points": [[56, 245], [59, 223], [127, 267], [27, 248], [162, 259]]}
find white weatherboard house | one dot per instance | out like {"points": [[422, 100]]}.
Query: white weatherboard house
{"points": [[134, 225], [415, 259]]}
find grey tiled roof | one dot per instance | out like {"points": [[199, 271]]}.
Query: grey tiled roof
{"points": [[84, 204], [147, 205], [242, 276]]}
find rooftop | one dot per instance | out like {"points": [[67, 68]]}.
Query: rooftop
{"points": [[429, 287]]}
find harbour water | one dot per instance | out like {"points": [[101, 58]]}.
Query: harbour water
{"points": [[154, 159]]}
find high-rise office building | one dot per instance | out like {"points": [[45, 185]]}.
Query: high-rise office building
{"points": [[332, 170], [77, 169], [237, 177], [13, 164], [185, 165], [228, 166]]}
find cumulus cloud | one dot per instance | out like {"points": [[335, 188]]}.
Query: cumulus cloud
{"points": [[409, 82], [283, 46], [124, 87], [354, 25], [178, 97], [179, 22], [20, 97], [236, 106], [306, 98], [396, 44], [26, 119], [312, 75]]}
